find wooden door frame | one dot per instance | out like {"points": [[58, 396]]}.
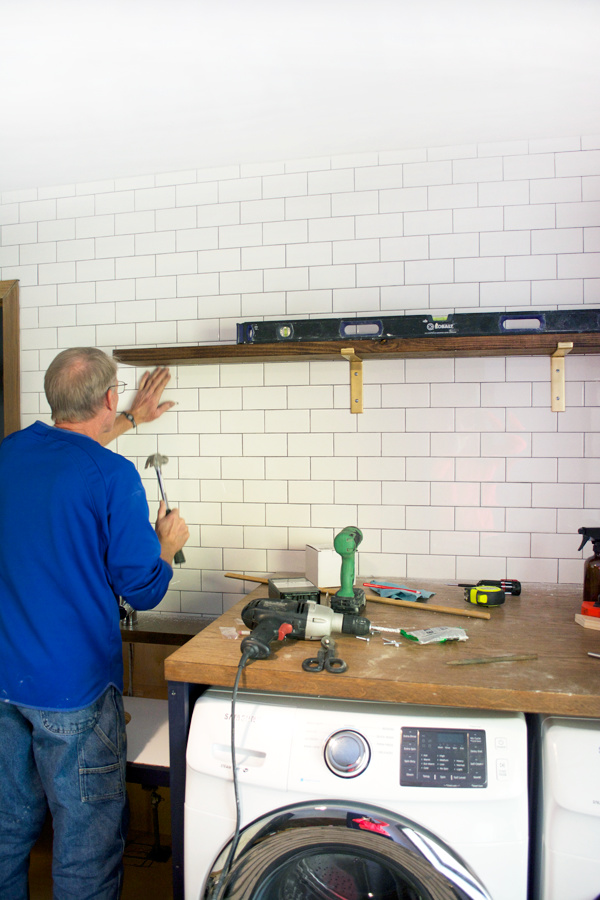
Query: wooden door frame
{"points": [[9, 304]]}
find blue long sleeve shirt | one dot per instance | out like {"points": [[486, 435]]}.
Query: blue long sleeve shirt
{"points": [[74, 536]]}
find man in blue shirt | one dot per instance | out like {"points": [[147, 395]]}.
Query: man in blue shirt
{"points": [[74, 537]]}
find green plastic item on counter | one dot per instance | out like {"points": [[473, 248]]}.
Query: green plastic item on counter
{"points": [[436, 635]]}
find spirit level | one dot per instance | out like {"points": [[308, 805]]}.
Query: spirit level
{"points": [[378, 328]]}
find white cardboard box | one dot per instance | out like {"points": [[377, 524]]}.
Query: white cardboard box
{"points": [[322, 565]]}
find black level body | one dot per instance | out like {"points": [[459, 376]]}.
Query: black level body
{"points": [[376, 328]]}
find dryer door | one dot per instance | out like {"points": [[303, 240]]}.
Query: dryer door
{"points": [[329, 851]]}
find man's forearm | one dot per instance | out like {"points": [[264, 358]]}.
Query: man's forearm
{"points": [[122, 425]]}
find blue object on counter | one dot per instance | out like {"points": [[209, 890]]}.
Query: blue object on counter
{"points": [[392, 591]]}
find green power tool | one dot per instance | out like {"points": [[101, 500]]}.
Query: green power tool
{"points": [[348, 600]]}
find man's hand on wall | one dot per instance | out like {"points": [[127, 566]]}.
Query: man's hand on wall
{"points": [[146, 406]]}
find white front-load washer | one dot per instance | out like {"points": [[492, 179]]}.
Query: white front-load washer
{"points": [[348, 800], [567, 842]]}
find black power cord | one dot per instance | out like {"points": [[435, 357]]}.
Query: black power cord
{"points": [[217, 891]]}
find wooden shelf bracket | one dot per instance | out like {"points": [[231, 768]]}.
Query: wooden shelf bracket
{"points": [[356, 379], [557, 375]]}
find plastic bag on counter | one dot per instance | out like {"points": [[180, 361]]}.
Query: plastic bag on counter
{"points": [[436, 635]]}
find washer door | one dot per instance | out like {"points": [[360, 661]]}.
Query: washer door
{"points": [[333, 852]]}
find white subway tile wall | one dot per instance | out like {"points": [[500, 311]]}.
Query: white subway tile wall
{"points": [[457, 469]]}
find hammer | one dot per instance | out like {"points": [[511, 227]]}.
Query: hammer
{"points": [[157, 461]]}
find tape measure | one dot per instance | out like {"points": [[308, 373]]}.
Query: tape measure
{"points": [[485, 595]]}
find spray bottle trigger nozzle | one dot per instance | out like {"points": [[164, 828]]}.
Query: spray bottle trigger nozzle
{"points": [[590, 534]]}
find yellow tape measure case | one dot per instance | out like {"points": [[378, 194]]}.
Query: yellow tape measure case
{"points": [[485, 595]]}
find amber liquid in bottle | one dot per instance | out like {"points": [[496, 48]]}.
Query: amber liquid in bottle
{"points": [[591, 583]]}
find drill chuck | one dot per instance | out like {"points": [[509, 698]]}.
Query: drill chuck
{"points": [[355, 625]]}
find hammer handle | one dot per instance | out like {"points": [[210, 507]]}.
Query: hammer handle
{"points": [[179, 558]]}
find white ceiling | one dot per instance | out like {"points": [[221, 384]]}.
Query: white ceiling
{"points": [[98, 89]]}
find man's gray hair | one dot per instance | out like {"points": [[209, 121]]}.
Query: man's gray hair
{"points": [[76, 382]]}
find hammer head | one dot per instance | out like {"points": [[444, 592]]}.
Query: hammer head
{"points": [[156, 460]]}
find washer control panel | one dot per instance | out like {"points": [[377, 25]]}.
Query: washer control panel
{"points": [[448, 757]]}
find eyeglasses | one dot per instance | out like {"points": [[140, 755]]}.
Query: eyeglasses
{"points": [[119, 386]]}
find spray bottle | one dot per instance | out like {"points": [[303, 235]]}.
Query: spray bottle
{"points": [[591, 573]]}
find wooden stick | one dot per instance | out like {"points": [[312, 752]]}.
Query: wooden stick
{"points": [[409, 604], [427, 607], [246, 577], [327, 590]]}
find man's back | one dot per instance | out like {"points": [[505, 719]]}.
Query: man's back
{"points": [[74, 535]]}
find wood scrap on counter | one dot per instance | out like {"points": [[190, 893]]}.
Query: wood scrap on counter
{"points": [[510, 657], [428, 607]]}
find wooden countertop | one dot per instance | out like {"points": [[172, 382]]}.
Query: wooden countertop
{"points": [[564, 680]]}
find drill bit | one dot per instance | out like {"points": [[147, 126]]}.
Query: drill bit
{"points": [[380, 628]]}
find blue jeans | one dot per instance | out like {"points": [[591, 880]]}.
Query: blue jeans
{"points": [[73, 762]]}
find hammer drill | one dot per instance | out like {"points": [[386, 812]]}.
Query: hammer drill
{"points": [[273, 620]]}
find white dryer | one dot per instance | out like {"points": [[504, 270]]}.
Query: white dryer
{"points": [[348, 800], [567, 845]]}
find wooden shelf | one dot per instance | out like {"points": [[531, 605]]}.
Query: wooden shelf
{"points": [[555, 346], [399, 348], [10, 383]]}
